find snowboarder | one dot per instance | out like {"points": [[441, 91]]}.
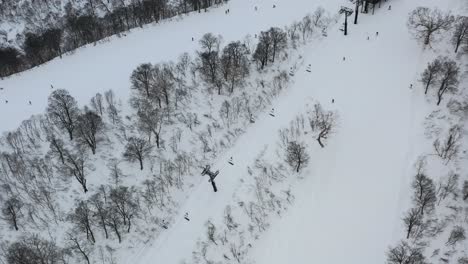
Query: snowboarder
{"points": [[30, 103], [164, 224], [230, 161], [272, 112], [377, 34], [256, 8], [309, 68], [274, 6], [344, 58], [186, 217], [1, 88], [367, 37], [6, 101], [333, 101], [252, 120], [390, 7], [51, 86], [411, 86], [291, 72], [193, 39]]}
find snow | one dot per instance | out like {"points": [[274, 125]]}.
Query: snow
{"points": [[348, 208]]}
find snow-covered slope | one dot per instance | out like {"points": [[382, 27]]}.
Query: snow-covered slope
{"points": [[348, 206]]}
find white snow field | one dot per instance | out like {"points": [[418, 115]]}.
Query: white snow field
{"points": [[348, 210]]}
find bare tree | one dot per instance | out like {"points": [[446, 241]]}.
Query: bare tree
{"points": [[142, 78], [456, 235], [11, 211], [431, 73], [57, 148], [98, 201], [90, 128], [461, 31], [296, 155], [424, 193], [136, 150], [82, 218], [34, 250], [76, 164], [323, 122], [235, 64], [63, 110], [426, 23], [449, 148], [209, 60], [448, 185], [124, 201], [412, 220], [279, 41], [112, 109], [77, 245], [263, 50], [449, 78], [403, 253], [150, 120], [97, 104]]}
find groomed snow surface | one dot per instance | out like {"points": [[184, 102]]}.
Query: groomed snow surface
{"points": [[348, 209]]}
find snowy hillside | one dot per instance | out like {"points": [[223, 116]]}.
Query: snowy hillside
{"points": [[328, 150]]}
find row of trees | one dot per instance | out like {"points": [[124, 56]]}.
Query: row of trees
{"points": [[81, 27], [442, 73], [428, 24]]}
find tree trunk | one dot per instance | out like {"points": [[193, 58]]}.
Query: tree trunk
{"points": [[141, 163], [319, 139], [356, 12]]}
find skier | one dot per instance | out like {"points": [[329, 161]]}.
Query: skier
{"points": [[377, 34], [344, 58], [6, 101], [272, 112], [164, 224], [30, 103], [367, 37], [390, 7], [51, 86], [274, 6], [309, 68], [333, 101], [230, 161], [256, 8], [186, 217], [411, 86]]}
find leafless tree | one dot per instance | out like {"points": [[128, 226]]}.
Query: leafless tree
{"points": [[456, 235], [97, 104], [56, 148], [98, 202], [112, 109], [142, 78], [412, 220], [323, 122], [449, 148], [76, 164], [432, 73], [11, 211], [426, 23], [164, 79], [296, 155], [461, 31], [124, 201], [82, 218], [424, 195], [90, 129], [448, 79], [403, 253], [63, 111], [279, 41], [78, 246], [210, 64], [234, 64], [136, 150], [151, 121], [34, 250], [448, 185]]}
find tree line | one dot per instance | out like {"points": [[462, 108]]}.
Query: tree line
{"points": [[80, 27]]}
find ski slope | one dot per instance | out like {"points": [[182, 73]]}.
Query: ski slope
{"points": [[108, 65], [348, 209]]}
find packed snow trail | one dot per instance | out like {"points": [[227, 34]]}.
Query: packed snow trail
{"points": [[108, 65], [345, 210]]}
